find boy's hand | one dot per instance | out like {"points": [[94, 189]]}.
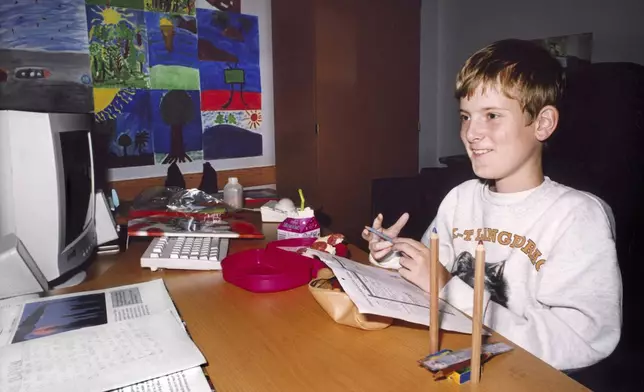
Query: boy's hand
{"points": [[414, 263], [378, 247]]}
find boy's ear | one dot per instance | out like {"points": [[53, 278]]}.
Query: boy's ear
{"points": [[546, 123]]}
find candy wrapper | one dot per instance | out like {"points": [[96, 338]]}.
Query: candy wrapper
{"points": [[325, 244], [455, 365], [303, 226], [178, 202]]}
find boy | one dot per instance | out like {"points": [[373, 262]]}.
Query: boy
{"points": [[553, 285]]}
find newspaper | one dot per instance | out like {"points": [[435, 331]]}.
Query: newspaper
{"points": [[41, 317], [385, 293]]}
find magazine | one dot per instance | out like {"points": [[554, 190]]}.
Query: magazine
{"points": [[190, 226], [64, 316]]}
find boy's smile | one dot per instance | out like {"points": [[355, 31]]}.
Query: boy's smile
{"points": [[500, 140]]}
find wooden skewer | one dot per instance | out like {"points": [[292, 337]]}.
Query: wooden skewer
{"points": [[433, 293], [477, 317]]}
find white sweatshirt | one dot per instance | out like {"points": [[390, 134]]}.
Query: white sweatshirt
{"points": [[553, 285]]}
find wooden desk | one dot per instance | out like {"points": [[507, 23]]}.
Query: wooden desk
{"points": [[286, 342]]}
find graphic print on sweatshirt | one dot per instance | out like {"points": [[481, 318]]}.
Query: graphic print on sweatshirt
{"points": [[503, 238], [495, 283]]}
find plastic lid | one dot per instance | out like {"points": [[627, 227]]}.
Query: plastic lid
{"points": [[266, 270], [233, 180]]}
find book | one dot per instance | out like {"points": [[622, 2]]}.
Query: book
{"points": [[155, 352], [219, 212], [191, 226]]}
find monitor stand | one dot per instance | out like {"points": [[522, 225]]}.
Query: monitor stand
{"points": [[74, 280]]}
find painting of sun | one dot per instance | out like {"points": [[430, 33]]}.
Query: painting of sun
{"points": [[117, 47]]}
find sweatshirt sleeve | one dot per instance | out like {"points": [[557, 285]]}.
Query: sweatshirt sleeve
{"points": [[579, 291]]}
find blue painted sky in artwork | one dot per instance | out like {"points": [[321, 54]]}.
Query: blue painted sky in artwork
{"points": [[184, 51], [134, 118], [48, 25], [246, 50], [192, 131]]}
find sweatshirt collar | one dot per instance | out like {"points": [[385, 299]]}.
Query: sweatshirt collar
{"points": [[506, 199]]}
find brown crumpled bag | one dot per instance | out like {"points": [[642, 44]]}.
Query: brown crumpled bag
{"points": [[339, 306]]}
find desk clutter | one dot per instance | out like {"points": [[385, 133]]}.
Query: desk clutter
{"points": [[192, 230]]}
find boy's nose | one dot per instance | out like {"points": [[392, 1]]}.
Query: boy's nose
{"points": [[474, 132]]}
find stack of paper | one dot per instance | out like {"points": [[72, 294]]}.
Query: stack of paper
{"points": [[385, 293], [128, 337]]}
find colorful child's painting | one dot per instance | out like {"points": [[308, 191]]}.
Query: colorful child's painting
{"points": [[172, 43], [123, 115], [185, 7], [229, 61], [135, 4], [44, 62], [231, 134], [118, 47], [220, 5], [176, 126]]}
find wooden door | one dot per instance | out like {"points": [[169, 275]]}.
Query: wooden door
{"points": [[343, 166], [390, 51], [367, 68], [294, 98]]}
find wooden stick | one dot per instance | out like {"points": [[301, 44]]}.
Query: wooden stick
{"points": [[477, 317], [433, 293]]}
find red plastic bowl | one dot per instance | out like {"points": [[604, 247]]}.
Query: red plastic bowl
{"points": [[266, 270]]}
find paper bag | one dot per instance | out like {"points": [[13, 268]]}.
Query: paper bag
{"points": [[339, 306]]}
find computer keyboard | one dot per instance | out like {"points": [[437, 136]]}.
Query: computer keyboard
{"points": [[190, 253]]}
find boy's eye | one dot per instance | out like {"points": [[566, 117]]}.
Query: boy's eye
{"points": [[492, 116], [464, 117]]}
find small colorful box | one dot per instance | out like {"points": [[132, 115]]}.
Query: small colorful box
{"points": [[461, 376], [304, 225]]}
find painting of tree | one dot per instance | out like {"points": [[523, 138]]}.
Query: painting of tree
{"points": [[118, 47], [122, 119], [141, 140], [176, 125], [124, 141], [176, 111], [186, 7]]}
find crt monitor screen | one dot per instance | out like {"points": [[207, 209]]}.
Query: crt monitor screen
{"points": [[77, 170]]}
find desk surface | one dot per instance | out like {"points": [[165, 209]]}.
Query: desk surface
{"points": [[286, 342]]}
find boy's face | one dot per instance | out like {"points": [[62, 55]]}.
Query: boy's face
{"points": [[499, 141]]}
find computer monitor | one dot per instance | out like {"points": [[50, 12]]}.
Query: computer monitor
{"points": [[47, 189]]}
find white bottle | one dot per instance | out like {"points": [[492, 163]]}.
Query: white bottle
{"points": [[233, 193]]}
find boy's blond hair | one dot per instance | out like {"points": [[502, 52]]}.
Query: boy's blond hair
{"points": [[524, 71]]}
